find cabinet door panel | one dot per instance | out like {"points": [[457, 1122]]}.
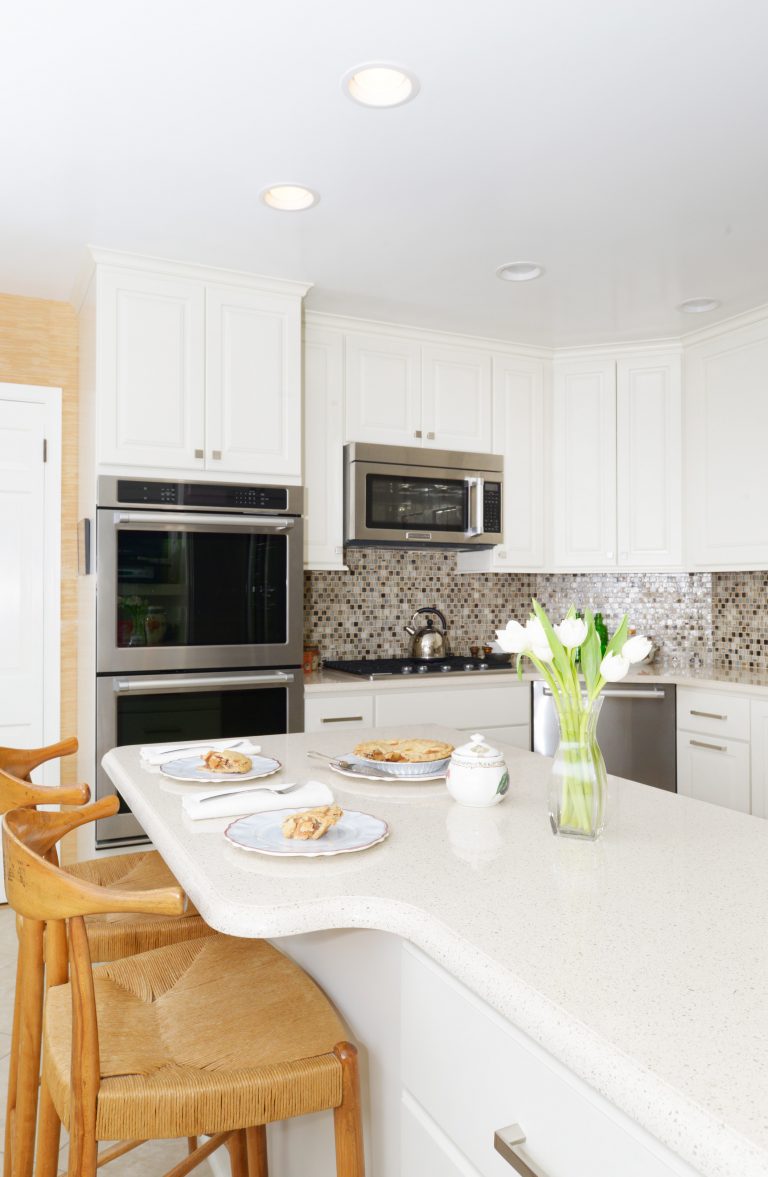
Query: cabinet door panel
{"points": [[324, 439], [383, 390], [713, 769], [456, 398], [518, 433], [425, 1151], [759, 758], [151, 369], [726, 414], [649, 467], [338, 712], [472, 706], [253, 390], [584, 465]]}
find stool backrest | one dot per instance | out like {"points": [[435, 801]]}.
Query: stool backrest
{"points": [[16, 792], [21, 761]]}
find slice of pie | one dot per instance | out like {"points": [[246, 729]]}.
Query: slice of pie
{"points": [[227, 761]]}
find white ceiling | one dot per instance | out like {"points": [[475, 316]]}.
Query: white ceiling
{"points": [[620, 143]]}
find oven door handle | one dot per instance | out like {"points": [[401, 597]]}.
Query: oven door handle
{"points": [[177, 683], [475, 494], [173, 521]]}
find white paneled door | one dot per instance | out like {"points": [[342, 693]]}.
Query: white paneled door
{"points": [[29, 570]]}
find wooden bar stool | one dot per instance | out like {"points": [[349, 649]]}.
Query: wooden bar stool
{"points": [[109, 938], [216, 1036]]}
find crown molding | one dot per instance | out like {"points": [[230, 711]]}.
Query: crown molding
{"points": [[342, 323], [140, 262], [726, 326]]}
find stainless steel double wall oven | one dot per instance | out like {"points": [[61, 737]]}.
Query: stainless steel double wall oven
{"points": [[199, 617]]}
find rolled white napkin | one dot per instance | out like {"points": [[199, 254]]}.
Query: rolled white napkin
{"points": [[157, 754], [255, 800]]}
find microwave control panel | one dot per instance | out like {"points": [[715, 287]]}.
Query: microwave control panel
{"points": [[492, 508]]}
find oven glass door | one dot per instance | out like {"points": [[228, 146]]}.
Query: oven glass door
{"points": [[197, 591], [169, 709]]}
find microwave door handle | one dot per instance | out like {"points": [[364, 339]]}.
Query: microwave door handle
{"points": [[183, 682], [174, 520], [475, 495]]}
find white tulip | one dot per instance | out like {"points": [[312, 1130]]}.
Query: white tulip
{"points": [[514, 639], [636, 649], [538, 642], [572, 631], [614, 667]]}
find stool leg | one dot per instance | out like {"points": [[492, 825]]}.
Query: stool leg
{"points": [[238, 1154], [256, 1139], [13, 1065], [347, 1121], [48, 1123], [30, 1034]]}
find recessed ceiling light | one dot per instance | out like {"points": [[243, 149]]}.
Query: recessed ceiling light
{"points": [[697, 306], [289, 198], [379, 83], [519, 271]]}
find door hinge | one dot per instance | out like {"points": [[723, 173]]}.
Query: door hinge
{"points": [[45, 449]]}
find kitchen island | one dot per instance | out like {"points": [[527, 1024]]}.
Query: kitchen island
{"points": [[628, 975]]}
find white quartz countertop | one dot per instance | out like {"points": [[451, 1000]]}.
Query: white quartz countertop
{"points": [[746, 682], [640, 961]]}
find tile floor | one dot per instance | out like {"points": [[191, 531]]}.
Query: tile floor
{"points": [[152, 1159]]}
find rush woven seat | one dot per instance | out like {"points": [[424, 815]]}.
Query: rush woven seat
{"points": [[215, 1036], [202, 1037]]}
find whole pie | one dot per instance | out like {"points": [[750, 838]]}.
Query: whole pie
{"points": [[227, 761], [404, 751]]}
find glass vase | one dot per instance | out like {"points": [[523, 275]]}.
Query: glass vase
{"points": [[578, 784]]}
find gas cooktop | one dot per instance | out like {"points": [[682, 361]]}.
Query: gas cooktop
{"points": [[387, 667]]}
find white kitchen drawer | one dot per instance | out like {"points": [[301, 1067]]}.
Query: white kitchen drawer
{"points": [[338, 712], [714, 769], [473, 1073], [425, 1151], [713, 712], [467, 707], [518, 735]]}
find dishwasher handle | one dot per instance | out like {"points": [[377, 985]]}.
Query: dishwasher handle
{"points": [[654, 694]]}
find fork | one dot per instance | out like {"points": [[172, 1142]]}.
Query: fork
{"points": [[348, 766]]}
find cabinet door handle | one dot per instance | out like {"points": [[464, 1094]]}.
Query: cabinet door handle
{"points": [[708, 715], [216, 455], [712, 747], [417, 433], [507, 1142], [342, 719], [430, 437], [199, 453]]}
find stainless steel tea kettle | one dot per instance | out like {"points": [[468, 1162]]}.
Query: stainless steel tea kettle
{"points": [[428, 642]]}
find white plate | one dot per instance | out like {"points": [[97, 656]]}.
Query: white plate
{"points": [[191, 768], [421, 770], [361, 771], [262, 832]]}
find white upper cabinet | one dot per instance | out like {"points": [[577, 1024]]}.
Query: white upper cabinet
{"points": [[401, 391], [649, 461], [584, 464], [383, 390], [253, 382], [726, 416], [151, 369], [456, 399], [197, 370], [323, 448]]}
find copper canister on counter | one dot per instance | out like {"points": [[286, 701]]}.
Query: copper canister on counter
{"points": [[311, 659]]}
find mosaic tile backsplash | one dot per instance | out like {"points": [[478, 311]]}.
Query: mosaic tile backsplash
{"points": [[740, 619], [361, 613]]}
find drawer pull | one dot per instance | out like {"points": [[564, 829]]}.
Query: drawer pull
{"points": [[708, 715], [507, 1141], [342, 719], [712, 747]]}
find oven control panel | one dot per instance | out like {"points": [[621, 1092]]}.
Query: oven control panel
{"points": [[212, 496]]}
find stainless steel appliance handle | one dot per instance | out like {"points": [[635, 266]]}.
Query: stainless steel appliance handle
{"points": [[708, 714], [475, 487], [711, 747], [176, 683], [507, 1142], [624, 694], [253, 522]]}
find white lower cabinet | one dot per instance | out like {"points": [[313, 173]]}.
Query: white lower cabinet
{"points": [[467, 1073], [759, 757], [713, 747], [330, 712]]}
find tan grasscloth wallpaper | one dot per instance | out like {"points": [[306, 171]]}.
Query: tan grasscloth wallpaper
{"points": [[38, 345]]}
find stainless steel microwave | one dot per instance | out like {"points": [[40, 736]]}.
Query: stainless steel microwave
{"points": [[404, 496]]}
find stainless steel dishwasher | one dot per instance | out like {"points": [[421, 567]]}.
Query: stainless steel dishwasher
{"points": [[636, 731]]}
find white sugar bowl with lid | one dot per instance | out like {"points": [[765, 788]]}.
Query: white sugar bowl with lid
{"points": [[477, 774]]}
